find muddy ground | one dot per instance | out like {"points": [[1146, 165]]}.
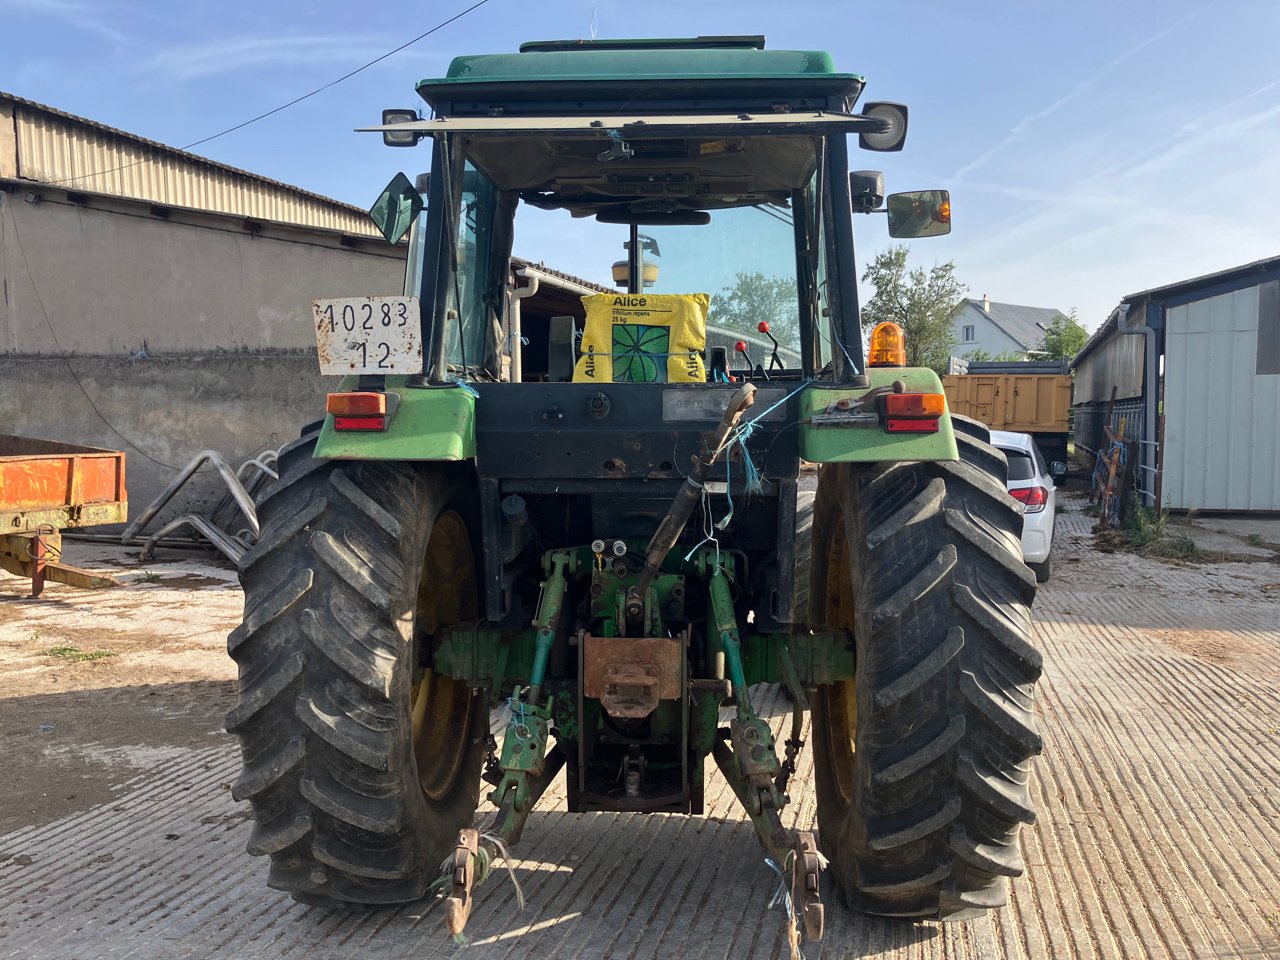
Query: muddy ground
{"points": [[98, 685]]}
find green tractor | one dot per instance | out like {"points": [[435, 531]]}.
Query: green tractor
{"points": [[598, 523]]}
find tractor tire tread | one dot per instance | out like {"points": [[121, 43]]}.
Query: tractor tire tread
{"points": [[322, 715], [946, 727]]}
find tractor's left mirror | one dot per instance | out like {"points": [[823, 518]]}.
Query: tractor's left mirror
{"points": [[394, 212], [919, 213]]}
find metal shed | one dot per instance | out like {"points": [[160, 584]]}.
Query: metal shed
{"points": [[1196, 371]]}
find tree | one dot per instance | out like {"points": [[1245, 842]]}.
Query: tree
{"points": [[754, 297], [1065, 337], [922, 302]]}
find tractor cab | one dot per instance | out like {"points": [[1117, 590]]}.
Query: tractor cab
{"points": [[710, 166]]}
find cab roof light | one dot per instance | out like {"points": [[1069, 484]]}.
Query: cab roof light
{"points": [[893, 131], [363, 404], [888, 346]]}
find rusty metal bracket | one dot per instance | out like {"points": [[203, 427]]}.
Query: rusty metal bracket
{"points": [[806, 886], [36, 553], [757, 762], [629, 676], [457, 906]]}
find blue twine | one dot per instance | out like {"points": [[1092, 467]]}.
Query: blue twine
{"points": [[782, 894], [748, 427], [515, 709], [466, 388], [853, 367], [753, 482]]}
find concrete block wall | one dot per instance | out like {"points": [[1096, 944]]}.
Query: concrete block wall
{"points": [[164, 332]]}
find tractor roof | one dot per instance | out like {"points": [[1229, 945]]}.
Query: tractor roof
{"points": [[587, 74]]}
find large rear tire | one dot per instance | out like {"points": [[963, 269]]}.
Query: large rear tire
{"points": [[360, 766], [922, 761]]}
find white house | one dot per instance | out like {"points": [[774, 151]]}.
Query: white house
{"points": [[1000, 328]]}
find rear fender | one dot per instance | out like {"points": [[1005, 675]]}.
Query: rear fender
{"points": [[425, 423], [868, 441]]}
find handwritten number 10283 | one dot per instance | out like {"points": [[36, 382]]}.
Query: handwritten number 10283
{"points": [[388, 314]]}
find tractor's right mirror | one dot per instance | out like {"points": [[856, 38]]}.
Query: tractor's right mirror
{"points": [[396, 209], [919, 213]]}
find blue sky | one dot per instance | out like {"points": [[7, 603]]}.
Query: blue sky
{"points": [[1093, 149]]}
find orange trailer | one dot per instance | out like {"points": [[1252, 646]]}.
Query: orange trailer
{"points": [[45, 487]]}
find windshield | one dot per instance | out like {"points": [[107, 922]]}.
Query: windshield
{"points": [[743, 256], [744, 259]]}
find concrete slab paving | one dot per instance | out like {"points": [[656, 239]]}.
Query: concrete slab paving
{"points": [[1158, 797], [1240, 535]]}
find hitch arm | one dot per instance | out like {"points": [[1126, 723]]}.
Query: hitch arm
{"points": [[673, 524]]}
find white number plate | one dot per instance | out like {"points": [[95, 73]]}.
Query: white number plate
{"points": [[368, 335]]}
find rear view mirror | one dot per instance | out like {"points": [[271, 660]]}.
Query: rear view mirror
{"points": [[1059, 471], [920, 213], [396, 209]]}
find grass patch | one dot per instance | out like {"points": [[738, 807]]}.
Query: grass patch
{"points": [[1147, 534], [149, 576], [77, 655], [1146, 528], [1254, 540]]}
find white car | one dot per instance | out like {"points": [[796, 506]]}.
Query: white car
{"points": [[1032, 483]]}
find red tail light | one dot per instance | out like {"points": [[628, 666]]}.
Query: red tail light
{"points": [[1032, 499], [359, 423], [363, 410]]}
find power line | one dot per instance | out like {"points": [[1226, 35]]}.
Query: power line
{"points": [[293, 102]]}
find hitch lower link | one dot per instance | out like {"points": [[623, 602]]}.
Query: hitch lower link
{"points": [[527, 770], [527, 767], [750, 764]]}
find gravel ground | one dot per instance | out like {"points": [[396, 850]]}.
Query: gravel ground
{"points": [[1159, 795]]}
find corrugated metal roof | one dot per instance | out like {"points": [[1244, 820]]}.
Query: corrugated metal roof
{"points": [[519, 262], [1242, 272], [74, 152], [1244, 275]]}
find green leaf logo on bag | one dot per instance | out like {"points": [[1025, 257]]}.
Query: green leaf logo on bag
{"points": [[640, 353]]}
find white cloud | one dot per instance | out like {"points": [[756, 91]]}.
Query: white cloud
{"points": [[1019, 129], [74, 13], [193, 61]]}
